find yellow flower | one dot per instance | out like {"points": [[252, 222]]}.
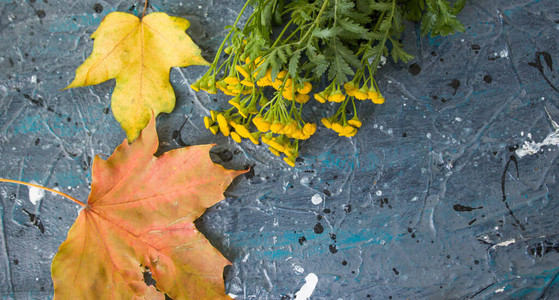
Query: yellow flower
{"points": [[302, 98], [236, 103], [247, 83], [309, 129], [277, 84], [212, 89], [263, 82], [195, 86], [320, 97], [232, 80], [208, 122], [336, 96], [214, 129], [223, 126], [222, 85], [274, 151], [288, 83], [277, 127], [361, 94], [287, 94], [372, 93], [236, 137], [337, 127], [305, 89], [299, 135], [252, 108], [350, 131], [261, 124], [214, 114], [290, 128], [355, 122], [290, 160], [242, 70], [244, 112], [350, 88], [268, 74], [246, 91], [273, 142], [242, 130], [281, 74], [327, 122], [378, 100], [253, 137], [228, 93]]}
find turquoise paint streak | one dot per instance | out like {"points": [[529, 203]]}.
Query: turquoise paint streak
{"points": [[287, 242]]}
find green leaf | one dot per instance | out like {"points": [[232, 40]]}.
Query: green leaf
{"points": [[347, 54], [294, 63], [325, 33], [398, 52], [381, 6], [352, 27], [385, 24], [282, 55], [458, 6]]}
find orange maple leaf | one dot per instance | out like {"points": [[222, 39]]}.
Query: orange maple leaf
{"points": [[139, 216]]}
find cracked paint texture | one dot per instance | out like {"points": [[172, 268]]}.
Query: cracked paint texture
{"points": [[428, 200]]}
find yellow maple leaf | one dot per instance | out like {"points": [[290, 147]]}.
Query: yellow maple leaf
{"points": [[139, 55]]}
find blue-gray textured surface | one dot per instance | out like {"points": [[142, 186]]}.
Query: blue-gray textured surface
{"points": [[413, 204]]}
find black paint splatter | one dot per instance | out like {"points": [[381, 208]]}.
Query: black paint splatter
{"points": [[455, 84], [333, 248], [34, 219], [414, 69], [541, 248], [458, 207], [395, 271], [488, 78], [98, 8], [148, 279], [302, 240], [503, 190], [538, 65], [318, 229]]}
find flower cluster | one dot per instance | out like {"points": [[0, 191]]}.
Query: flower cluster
{"points": [[278, 120]]}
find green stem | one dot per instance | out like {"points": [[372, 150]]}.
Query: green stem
{"points": [[377, 58], [218, 53], [315, 23]]}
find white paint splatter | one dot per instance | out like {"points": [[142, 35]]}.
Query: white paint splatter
{"points": [[500, 290], [316, 199], [378, 193], [504, 53], [232, 295], [308, 288], [531, 147], [35, 194], [298, 269], [504, 244]]}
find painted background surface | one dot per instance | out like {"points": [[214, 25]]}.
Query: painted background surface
{"points": [[434, 197]]}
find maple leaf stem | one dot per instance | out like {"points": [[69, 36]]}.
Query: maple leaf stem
{"points": [[145, 8], [42, 187]]}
